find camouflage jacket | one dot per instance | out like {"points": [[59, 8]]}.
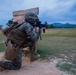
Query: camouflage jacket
{"points": [[20, 34]]}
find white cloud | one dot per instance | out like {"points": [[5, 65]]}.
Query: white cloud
{"points": [[57, 9], [51, 7]]}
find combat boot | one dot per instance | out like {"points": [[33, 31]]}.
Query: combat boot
{"points": [[34, 57]]}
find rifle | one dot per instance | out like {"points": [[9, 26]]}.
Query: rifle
{"points": [[38, 24]]}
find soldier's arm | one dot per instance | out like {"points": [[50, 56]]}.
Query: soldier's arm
{"points": [[31, 32]]}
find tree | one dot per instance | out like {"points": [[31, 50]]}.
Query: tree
{"points": [[51, 25], [47, 25]]}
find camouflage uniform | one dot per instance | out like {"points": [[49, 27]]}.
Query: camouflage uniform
{"points": [[32, 38], [13, 65]]}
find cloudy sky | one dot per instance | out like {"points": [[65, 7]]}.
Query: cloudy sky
{"points": [[62, 11]]}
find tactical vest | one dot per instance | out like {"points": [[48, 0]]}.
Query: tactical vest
{"points": [[17, 36]]}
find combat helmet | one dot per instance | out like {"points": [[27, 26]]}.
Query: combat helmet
{"points": [[31, 18]]}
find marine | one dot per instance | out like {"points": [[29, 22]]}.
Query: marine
{"points": [[20, 36]]}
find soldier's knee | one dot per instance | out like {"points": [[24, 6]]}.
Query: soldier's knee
{"points": [[18, 67]]}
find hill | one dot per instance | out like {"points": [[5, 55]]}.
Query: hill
{"points": [[66, 25]]}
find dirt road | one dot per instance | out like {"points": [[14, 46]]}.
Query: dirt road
{"points": [[40, 67]]}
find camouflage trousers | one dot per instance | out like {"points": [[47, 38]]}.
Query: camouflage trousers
{"points": [[15, 63]]}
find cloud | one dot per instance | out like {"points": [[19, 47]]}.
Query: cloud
{"points": [[63, 11], [49, 10]]}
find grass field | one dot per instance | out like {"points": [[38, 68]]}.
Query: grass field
{"points": [[55, 42], [59, 43], [2, 41]]}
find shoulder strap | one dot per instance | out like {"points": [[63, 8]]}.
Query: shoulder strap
{"points": [[16, 26], [13, 26]]}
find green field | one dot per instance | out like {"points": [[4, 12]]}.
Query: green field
{"points": [[2, 41], [55, 42], [60, 43]]}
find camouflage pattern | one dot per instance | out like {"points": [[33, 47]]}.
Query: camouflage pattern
{"points": [[33, 52], [11, 51], [19, 34], [31, 18], [15, 64], [33, 36]]}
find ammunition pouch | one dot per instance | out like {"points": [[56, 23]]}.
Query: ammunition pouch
{"points": [[17, 36], [10, 52]]}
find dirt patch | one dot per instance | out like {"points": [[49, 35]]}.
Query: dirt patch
{"points": [[39, 67]]}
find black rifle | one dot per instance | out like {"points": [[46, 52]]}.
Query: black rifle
{"points": [[38, 24]]}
